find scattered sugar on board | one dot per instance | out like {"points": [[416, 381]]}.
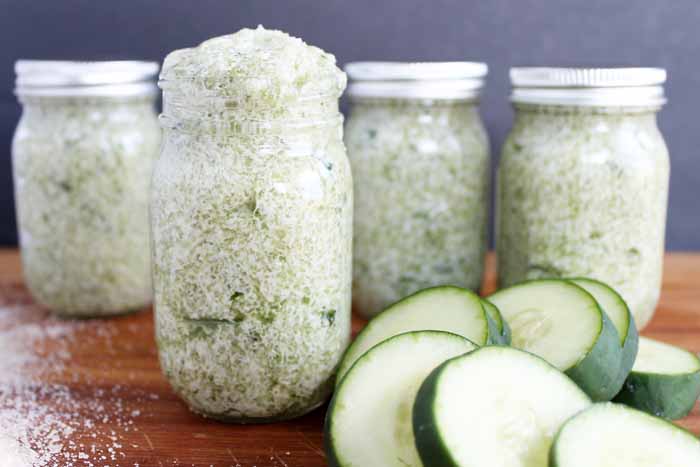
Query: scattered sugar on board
{"points": [[45, 423]]}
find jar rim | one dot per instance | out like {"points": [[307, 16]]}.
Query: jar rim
{"points": [[173, 87], [168, 122]]}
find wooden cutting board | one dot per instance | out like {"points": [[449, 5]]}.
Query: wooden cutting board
{"points": [[90, 393]]}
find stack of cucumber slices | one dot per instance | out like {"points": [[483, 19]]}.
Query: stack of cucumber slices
{"points": [[522, 378]]}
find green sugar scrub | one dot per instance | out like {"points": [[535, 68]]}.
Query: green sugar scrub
{"points": [[583, 184], [82, 160], [252, 226], [420, 160]]}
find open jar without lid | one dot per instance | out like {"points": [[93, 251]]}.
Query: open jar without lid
{"points": [[252, 224]]}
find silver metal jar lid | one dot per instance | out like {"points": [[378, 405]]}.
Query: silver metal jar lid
{"points": [[53, 78], [596, 87], [416, 80]]}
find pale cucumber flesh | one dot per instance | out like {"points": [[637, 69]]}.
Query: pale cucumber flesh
{"points": [[661, 358], [612, 435], [496, 406], [369, 418], [445, 308], [617, 310], [611, 302], [665, 380], [562, 323], [554, 319]]}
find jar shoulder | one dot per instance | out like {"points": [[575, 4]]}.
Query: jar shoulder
{"points": [[416, 129], [98, 132], [577, 142], [418, 116]]}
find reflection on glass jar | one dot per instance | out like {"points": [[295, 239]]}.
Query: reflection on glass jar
{"points": [[583, 181], [82, 158], [252, 226], [420, 160]]}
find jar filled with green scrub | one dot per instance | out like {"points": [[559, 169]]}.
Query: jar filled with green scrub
{"points": [[251, 213], [82, 158], [583, 181], [420, 161]]}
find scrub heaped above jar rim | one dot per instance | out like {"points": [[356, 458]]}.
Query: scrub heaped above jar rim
{"points": [[588, 87], [57, 78], [416, 80], [253, 68]]}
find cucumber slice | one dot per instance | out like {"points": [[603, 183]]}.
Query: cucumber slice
{"points": [[444, 308], [495, 406], [496, 317], [619, 313], [562, 323], [369, 419], [614, 435], [665, 380]]}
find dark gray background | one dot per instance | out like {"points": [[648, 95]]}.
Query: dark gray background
{"points": [[500, 32]]}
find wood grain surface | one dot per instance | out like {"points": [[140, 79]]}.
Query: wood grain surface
{"points": [[127, 415]]}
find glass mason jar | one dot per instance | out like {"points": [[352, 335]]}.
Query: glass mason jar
{"points": [[252, 227], [583, 181], [421, 165], [82, 158]]}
